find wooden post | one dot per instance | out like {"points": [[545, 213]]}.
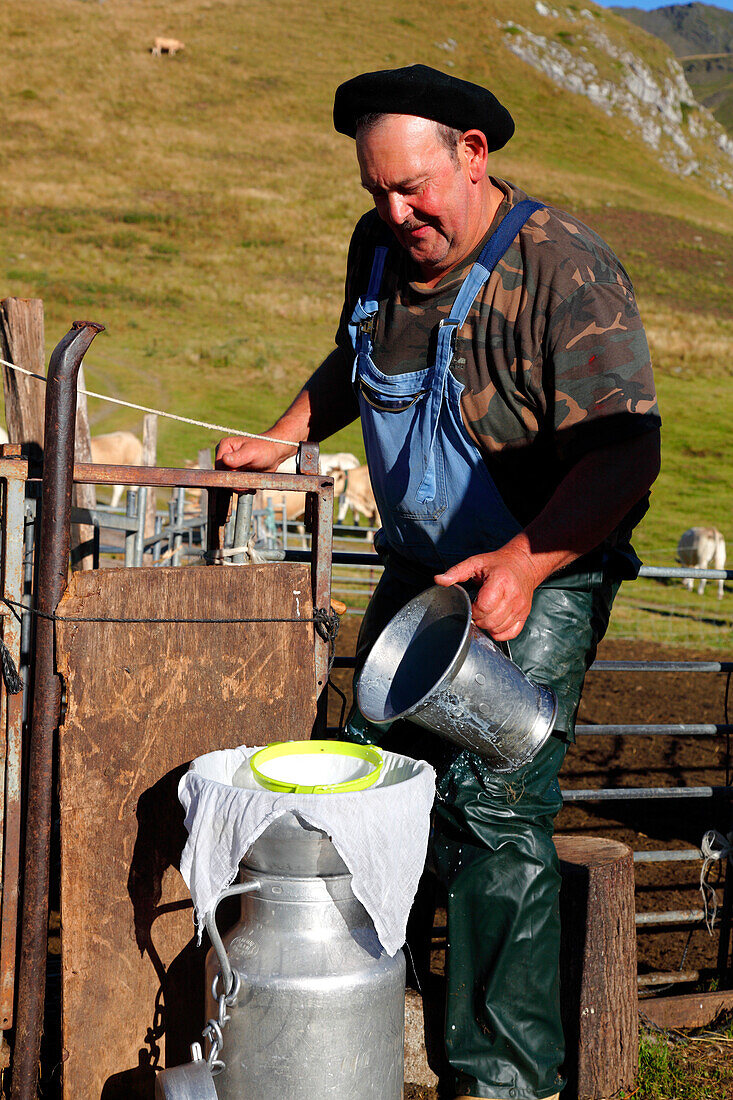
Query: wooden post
{"points": [[22, 343], [598, 966], [84, 496], [150, 450]]}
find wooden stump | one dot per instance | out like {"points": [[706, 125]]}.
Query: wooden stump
{"points": [[598, 966]]}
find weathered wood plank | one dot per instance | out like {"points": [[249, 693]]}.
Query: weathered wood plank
{"points": [[22, 343], [686, 1009], [143, 700]]}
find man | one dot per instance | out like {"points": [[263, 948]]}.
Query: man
{"points": [[493, 349]]}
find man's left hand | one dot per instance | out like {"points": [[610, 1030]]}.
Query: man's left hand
{"points": [[508, 580]]}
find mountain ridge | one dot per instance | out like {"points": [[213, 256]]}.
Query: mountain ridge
{"points": [[701, 37]]}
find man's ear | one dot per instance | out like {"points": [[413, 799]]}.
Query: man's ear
{"points": [[473, 151]]}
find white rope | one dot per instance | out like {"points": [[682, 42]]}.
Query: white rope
{"points": [[159, 412], [714, 847], [251, 555], [222, 556]]}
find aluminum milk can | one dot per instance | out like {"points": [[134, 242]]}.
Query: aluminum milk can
{"points": [[320, 1006]]}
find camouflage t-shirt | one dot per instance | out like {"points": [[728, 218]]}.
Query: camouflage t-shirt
{"points": [[553, 357]]}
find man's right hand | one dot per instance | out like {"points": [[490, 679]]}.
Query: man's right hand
{"points": [[243, 453]]}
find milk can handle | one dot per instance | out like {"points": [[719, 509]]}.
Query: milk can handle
{"points": [[216, 941]]}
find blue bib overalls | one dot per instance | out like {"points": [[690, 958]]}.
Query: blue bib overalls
{"points": [[492, 841], [437, 501]]}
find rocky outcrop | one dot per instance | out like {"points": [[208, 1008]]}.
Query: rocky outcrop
{"points": [[657, 101]]}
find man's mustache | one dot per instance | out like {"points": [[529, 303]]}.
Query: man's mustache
{"points": [[411, 224]]}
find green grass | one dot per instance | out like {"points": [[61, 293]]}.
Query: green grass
{"points": [[666, 612], [201, 206], [691, 1066]]}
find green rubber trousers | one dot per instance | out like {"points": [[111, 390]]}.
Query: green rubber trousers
{"points": [[491, 847]]}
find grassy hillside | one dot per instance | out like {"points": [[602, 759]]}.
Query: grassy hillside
{"points": [[711, 78], [200, 206]]}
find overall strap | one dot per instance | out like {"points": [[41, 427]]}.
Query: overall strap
{"points": [[366, 307], [489, 257], [490, 254]]}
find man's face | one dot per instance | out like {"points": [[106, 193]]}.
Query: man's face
{"points": [[422, 192]]}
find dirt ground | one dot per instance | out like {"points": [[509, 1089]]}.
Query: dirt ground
{"points": [[598, 761]]}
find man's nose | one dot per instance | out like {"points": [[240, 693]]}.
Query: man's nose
{"points": [[397, 209]]}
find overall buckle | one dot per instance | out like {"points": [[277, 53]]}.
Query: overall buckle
{"points": [[455, 325], [367, 326]]}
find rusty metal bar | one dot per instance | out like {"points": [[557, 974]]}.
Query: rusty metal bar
{"points": [[673, 916], [706, 729], [686, 571], [13, 467], [239, 480], [610, 794], [669, 855], [319, 519], [13, 579], [60, 426], [90, 473], [676, 977]]}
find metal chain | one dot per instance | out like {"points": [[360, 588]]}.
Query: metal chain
{"points": [[214, 1030], [327, 625], [671, 1034]]}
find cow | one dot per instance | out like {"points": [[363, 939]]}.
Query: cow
{"points": [[117, 449], [327, 463], [166, 45], [294, 503], [358, 495], [698, 547]]}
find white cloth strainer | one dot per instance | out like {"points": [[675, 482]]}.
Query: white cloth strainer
{"points": [[381, 833]]}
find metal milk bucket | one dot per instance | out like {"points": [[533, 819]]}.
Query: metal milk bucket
{"points": [[432, 665], [319, 1008]]}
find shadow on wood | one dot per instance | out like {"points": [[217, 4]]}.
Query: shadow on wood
{"points": [[573, 924], [178, 1005]]}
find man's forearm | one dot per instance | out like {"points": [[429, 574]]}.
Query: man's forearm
{"points": [[589, 503], [325, 404]]}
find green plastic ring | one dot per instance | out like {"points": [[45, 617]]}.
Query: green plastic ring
{"points": [[370, 753]]}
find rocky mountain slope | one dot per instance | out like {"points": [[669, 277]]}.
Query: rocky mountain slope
{"points": [[701, 36], [649, 89]]}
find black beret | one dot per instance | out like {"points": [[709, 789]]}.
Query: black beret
{"points": [[427, 93]]}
